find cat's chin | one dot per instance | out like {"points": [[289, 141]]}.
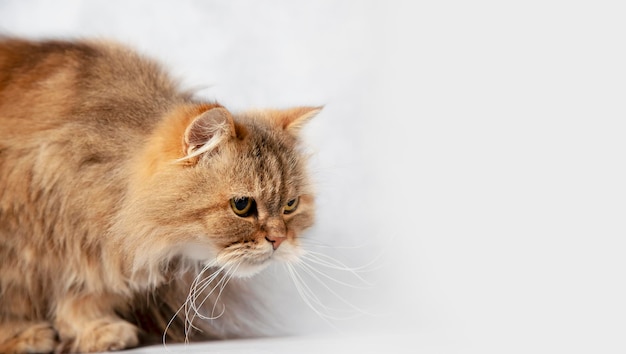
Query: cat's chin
{"points": [[289, 253], [243, 267], [245, 270]]}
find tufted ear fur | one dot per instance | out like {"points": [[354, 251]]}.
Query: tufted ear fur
{"points": [[207, 131], [292, 119]]}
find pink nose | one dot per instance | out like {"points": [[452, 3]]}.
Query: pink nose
{"points": [[275, 241]]}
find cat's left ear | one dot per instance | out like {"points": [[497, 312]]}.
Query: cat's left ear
{"points": [[293, 119], [207, 131]]}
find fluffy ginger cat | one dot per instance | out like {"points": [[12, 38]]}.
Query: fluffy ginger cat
{"points": [[119, 192]]}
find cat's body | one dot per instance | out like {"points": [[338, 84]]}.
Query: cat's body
{"points": [[115, 187]]}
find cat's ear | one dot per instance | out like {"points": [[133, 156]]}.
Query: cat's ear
{"points": [[293, 119], [207, 131]]}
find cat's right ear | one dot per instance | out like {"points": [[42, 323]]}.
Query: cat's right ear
{"points": [[207, 131]]}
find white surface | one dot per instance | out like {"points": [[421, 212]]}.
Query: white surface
{"points": [[478, 146], [371, 343]]}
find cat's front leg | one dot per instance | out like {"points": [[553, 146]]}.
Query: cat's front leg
{"points": [[89, 324]]}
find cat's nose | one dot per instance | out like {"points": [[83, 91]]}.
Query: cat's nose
{"points": [[275, 240]]}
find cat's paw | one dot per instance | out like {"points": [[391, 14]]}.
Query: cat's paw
{"points": [[33, 338], [107, 335]]}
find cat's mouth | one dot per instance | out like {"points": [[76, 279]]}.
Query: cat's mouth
{"points": [[240, 259]]}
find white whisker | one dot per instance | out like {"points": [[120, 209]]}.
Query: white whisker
{"points": [[196, 289], [229, 274], [313, 269], [190, 304], [305, 296], [315, 243], [196, 307], [308, 295], [317, 258], [330, 290], [183, 306], [338, 264]]}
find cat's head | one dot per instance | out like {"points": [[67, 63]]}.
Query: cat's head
{"points": [[228, 189]]}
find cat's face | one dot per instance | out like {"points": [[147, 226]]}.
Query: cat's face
{"points": [[264, 201], [246, 199]]}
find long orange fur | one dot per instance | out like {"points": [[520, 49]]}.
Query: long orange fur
{"points": [[107, 216]]}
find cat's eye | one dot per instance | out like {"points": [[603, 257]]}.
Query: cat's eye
{"points": [[291, 206], [242, 206]]}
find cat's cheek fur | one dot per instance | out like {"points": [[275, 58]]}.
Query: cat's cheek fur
{"points": [[196, 251]]}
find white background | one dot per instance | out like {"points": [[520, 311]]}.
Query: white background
{"points": [[476, 147]]}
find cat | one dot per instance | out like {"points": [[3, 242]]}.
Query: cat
{"points": [[119, 192]]}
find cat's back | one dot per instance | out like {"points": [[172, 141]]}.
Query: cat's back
{"points": [[72, 114], [98, 85]]}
